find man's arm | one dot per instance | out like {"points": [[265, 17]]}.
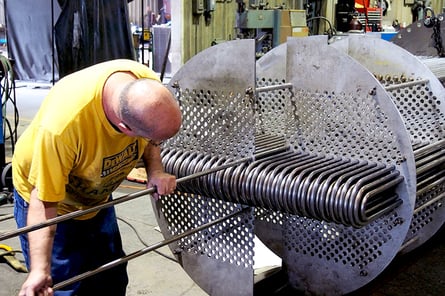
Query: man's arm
{"points": [[40, 247], [165, 183]]}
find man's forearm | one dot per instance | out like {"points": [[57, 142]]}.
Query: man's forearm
{"points": [[152, 159], [41, 240]]}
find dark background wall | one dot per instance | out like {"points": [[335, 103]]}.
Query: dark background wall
{"points": [[50, 39]]}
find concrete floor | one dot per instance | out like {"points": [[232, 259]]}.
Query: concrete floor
{"points": [[420, 272]]}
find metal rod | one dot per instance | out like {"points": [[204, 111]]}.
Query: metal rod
{"points": [[129, 197], [145, 250], [408, 243], [75, 214], [432, 163], [428, 203], [406, 84], [6, 217], [430, 183], [273, 87], [429, 148]]}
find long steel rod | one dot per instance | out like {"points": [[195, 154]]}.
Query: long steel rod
{"points": [[418, 153], [273, 87], [145, 250], [406, 84], [129, 197], [408, 243], [6, 217], [428, 203], [74, 214]]}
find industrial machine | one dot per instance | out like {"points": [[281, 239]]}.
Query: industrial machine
{"points": [[344, 12], [338, 163], [424, 38], [369, 15], [270, 27]]}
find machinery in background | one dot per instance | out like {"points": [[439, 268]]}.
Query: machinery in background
{"points": [[344, 12], [369, 16], [418, 9], [270, 27], [424, 38], [8, 128]]}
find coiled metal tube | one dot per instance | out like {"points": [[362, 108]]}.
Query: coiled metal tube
{"points": [[334, 189]]}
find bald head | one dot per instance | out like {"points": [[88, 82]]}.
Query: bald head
{"points": [[149, 109]]}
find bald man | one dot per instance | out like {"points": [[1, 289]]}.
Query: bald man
{"points": [[88, 134]]}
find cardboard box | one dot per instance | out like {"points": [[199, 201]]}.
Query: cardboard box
{"points": [[285, 18], [285, 31], [298, 18], [300, 31]]}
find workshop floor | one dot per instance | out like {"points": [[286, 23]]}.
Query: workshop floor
{"points": [[420, 272]]}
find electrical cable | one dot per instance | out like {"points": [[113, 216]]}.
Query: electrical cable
{"points": [[7, 88], [331, 29], [143, 242], [12, 252]]}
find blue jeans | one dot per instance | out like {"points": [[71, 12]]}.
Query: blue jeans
{"points": [[80, 246]]}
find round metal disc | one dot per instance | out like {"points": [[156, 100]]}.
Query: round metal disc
{"points": [[217, 122], [422, 107], [338, 109]]}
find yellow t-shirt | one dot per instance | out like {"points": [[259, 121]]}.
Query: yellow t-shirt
{"points": [[70, 151]]}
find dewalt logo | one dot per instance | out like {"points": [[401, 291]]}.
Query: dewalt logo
{"points": [[119, 160]]}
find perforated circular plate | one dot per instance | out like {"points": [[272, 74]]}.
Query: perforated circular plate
{"points": [[218, 120], [339, 108], [420, 98]]}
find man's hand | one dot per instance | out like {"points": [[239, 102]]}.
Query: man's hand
{"points": [[156, 177], [37, 284], [164, 183]]}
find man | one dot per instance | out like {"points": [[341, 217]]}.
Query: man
{"points": [[89, 133]]}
